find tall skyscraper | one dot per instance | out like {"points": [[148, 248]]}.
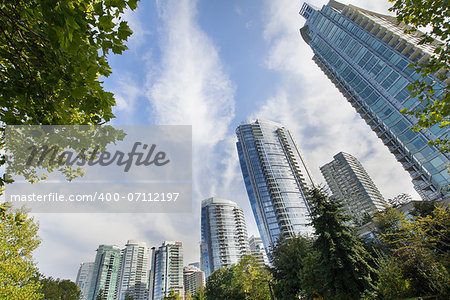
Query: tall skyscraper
{"points": [[224, 234], [194, 278], [366, 55], [134, 271], [257, 250], [276, 177], [84, 278], [104, 276], [166, 270], [349, 182]]}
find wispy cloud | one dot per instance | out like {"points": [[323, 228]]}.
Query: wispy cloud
{"points": [[191, 87]]}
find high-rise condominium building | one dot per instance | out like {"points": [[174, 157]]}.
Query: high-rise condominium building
{"points": [[166, 270], [194, 278], [84, 278], [276, 178], [224, 234], [257, 250], [366, 55], [134, 271], [104, 276], [350, 183]]}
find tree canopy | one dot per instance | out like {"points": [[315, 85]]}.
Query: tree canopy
{"points": [[245, 280], [18, 240], [419, 254], [343, 264], [52, 55]]}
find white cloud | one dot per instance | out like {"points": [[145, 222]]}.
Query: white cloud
{"points": [[190, 87]]}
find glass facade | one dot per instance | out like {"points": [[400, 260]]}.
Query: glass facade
{"points": [[167, 271], [104, 277], [134, 271], [275, 176], [367, 55], [224, 234], [350, 183], [84, 278]]}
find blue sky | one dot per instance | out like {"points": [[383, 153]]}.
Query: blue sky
{"points": [[213, 64]]}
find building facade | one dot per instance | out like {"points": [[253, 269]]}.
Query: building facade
{"points": [[194, 278], [105, 273], [276, 177], [366, 55], [350, 183], [166, 273], [257, 250], [224, 234], [84, 278], [134, 271]]}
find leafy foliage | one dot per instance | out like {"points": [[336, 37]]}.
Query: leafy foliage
{"points": [[200, 294], [52, 55], [245, 280], [435, 15], [56, 289], [18, 239], [420, 253], [173, 296], [343, 263]]}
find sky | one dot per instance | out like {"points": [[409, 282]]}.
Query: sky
{"points": [[213, 64]]}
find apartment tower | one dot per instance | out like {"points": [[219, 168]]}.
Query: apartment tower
{"points": [[134, 271], [105, 272], [350, 183], [366, 55], [224, 234], [166, 273], [276, 178]]}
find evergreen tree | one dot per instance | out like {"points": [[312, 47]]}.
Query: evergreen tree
{"points": [[343, 263], [288, 260]]}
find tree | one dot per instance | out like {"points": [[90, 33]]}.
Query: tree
{"points": [[433, 14], [200, 294], [421, 250], [18, 239], [288, 259], [245, 280], [219, 285], [100, 295], [128, 296], [59, 289], [251, 279], [173, 296], [52, 55], [343, 264]]}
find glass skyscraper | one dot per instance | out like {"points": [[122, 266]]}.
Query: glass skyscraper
{"points": [[104, 276], [134, 271], [366, 55], [166, 273], [224, 234], [276, 177], [350, 183], [84, 278]]}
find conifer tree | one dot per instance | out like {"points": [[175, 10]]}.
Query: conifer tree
{"points": [[343, 264]]}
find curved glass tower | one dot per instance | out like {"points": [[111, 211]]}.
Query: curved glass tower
{"points": [[224, 234], [366, 55], [276, 178]]}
